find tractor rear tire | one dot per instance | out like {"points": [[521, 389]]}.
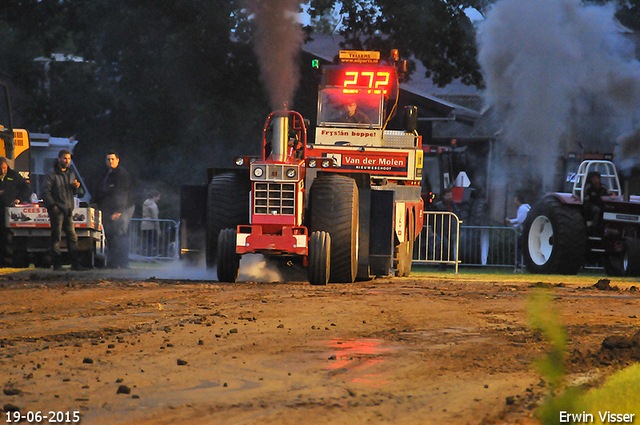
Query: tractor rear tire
{"points": [[227, 207], [554, 238], [334, 208], [319, 258], [633, 254], [229, 260]]}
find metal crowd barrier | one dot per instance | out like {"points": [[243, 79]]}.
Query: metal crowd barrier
{"points": [[438, 243], [489, 246], [475, 246], [160, 243]]}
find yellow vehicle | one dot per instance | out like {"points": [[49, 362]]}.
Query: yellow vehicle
{"points": [[15, 142]]}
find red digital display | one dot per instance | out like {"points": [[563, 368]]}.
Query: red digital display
{"points": [[356, 80]]}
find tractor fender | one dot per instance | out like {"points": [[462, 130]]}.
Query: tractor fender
{"points": [[240, 171], [565, 198]]}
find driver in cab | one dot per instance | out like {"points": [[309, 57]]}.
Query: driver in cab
{"points": [[354, 115]]}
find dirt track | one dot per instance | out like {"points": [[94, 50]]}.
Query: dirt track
{"points": [[129, 348]]}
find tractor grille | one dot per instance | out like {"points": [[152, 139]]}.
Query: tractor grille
{"points": [[274, 198]]}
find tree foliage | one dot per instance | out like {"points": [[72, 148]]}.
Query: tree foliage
{"points": [[438, 33], [629, 14]]}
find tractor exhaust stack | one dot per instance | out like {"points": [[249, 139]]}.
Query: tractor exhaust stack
{"points": [[280, 135]]}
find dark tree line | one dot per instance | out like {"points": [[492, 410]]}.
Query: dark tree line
{"points": [[174, 85], [163, 82]]}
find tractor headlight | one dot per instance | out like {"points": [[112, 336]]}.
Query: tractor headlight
{"points": [[313, 163], [291, 173], [258, 171], [239, 161], [326, 163]]}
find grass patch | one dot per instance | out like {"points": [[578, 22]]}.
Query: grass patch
{"points": [[619, 395], [506, 275]]}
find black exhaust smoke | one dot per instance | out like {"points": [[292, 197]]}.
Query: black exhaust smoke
{"points": [[277, 43], [627, 153], [546, 62]]}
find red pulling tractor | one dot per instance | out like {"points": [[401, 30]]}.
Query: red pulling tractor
{"points": [[346, 205]]}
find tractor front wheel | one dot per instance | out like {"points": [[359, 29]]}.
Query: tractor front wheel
{"points": [[319, 258], [228, 258]]}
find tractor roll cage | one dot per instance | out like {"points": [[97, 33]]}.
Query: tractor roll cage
{"points": [[608, 177]]}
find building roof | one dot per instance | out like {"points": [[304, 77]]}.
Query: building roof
{"points": [[486, 127]]}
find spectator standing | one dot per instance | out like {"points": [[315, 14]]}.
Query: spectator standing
{"points": [[60, 187], [13, 190], [446, 203], [114, 197], [517, 222], [446, 227], [150, 229]]}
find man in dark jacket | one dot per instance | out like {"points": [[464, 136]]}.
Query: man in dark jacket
{"points": [[60, 188], [13, 190], [115, 198]]}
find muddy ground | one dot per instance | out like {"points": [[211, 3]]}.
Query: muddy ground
{"points": [[167, 346]]}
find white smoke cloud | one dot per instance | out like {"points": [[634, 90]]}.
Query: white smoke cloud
{"points": [[254, 267], [546, 64]]}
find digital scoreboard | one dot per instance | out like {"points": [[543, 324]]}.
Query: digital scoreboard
{"points": [[360, 79]]}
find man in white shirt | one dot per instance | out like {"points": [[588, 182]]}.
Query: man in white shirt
{"points": [[521, 216]]}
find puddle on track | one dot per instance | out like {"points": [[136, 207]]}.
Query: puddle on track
{"points": [[361, 358]]}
